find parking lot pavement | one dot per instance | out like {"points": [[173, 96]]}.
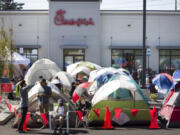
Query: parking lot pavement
{"points": [[7, 130]]}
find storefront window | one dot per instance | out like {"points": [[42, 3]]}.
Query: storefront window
{"points": [[72, 56], [130, 59], [31, 53], [169, 61]]}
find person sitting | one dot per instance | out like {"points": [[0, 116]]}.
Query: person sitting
{"points": [[60, 115], [84, 79]]}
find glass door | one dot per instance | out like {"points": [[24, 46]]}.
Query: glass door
{"points": [[73, 55]]}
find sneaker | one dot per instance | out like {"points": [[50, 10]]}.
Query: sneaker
{"points": [[21, 131], [43, 127]]}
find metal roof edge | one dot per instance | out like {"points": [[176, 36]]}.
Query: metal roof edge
{"points": [[25, 12], [166, 12]]}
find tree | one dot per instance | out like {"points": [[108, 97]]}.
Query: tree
{"points": [[10, 5], [5, 50]]}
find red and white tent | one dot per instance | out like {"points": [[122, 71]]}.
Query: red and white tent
{"points": [[82, 88], [171, 107]]}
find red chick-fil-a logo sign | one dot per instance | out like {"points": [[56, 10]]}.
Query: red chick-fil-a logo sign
{"points": [[59, 19]]}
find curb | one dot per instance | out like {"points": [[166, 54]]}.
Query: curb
{"points": [[5, 115]]}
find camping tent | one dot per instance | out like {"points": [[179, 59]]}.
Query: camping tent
{"points": [[171, 107], [19, 59], [65, 78], [20, 64], [162, 82], [105, 70], [42, 67], [82, 66], [122, 83], [122, 92]]}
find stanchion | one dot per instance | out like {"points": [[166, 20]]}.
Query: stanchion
{"points": [[50, 126], [67, 119]]}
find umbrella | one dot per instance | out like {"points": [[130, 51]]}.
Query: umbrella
{"points": [[123, 83], [65, 78], [79, 91], [162, 82]]}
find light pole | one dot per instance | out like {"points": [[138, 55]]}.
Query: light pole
{"points": [[175, 5], [144, 45]]}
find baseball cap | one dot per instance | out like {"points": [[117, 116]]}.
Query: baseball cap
{"points": [[60, 101]]}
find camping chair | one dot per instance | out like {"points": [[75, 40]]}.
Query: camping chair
{"points": [[55, 120], [85, 108]]}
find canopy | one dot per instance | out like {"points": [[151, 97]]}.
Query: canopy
{"points": [[65, 78], [42, 67], [124, 84], [19, 59]]}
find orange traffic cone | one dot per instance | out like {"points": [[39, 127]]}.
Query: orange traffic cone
{"points": [[154, 122], [107, 119]]}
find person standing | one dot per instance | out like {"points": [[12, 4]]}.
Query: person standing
{"points": [[24, 104], [44, 99], [10, 95]]}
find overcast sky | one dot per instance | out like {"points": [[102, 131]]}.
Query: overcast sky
{"points": [[112, 4]]}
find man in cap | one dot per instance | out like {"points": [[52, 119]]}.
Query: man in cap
{"points": [[44, 97]]}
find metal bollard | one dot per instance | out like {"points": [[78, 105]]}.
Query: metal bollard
{"points": [[50, 126], [67, 119]]}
